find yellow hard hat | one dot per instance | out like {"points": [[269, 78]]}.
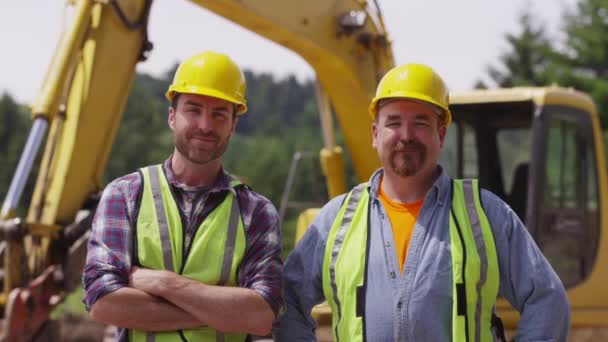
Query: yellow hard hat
{"points": [[416, 82], [211, 74]]}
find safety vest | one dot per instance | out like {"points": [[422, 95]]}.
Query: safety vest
{"points": [[474, 265], [215, 254]]}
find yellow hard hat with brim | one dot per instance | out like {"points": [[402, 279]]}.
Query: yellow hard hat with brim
{"points": [[211, 74], [415, 82]]}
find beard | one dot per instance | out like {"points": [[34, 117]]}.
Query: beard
{"points": [[407, 157], [200, 154]]}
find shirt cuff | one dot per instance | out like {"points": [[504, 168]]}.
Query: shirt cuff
{"points": [[100, 287], [272, 297]]}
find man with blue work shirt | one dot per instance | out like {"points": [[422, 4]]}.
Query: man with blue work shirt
{"points": [[182, 251], [413, 255]]}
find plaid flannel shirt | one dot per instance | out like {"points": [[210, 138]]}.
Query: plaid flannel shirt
{"points": [[109, 254]]}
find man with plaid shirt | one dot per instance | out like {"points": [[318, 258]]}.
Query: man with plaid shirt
{"points": [[183, 250]]}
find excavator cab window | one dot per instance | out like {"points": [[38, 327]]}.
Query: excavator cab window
{"points": [[566, 224], [459, 154], [500, 131], [543, 166]]}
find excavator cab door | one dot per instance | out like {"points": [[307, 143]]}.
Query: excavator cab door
{"points": [[491, 141], [545, 161], [541, 161], [563, 211]]}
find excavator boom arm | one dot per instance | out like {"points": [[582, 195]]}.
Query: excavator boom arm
{"points": [[81, 105]]}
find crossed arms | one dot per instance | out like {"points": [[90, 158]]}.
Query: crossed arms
{"points": [[165, 301], [158, 300]]}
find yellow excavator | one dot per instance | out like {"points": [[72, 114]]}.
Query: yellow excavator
{"points": [[538, 148]]}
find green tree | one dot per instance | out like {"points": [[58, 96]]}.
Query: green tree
{"points": [[586, 52], [277, 105], [14, 127], [143, 137], [579, 60], [528, 59]]}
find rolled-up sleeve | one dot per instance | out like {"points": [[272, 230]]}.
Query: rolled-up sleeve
{"points": [[527, 280], [108, 261], [304, 278], [262, 267]]}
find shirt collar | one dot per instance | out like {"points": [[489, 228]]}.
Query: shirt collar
{"points": [[439, 191], [221, 183]]}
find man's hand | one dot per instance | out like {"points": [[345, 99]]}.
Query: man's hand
{"points": [[150, 281], [132, 308], [224, 308]]}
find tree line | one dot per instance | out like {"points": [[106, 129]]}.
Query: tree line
{"points": [[283, 119], [577, 56]]}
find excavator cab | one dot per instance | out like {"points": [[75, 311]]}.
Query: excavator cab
{"points": [[541, 151]]}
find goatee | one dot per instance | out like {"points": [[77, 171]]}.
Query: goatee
{"points": [[199, 155], [407, 157]]}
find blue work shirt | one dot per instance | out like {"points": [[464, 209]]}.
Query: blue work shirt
{"points": [[417, 305]]}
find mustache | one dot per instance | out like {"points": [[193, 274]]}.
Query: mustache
{"points": [[408, 146], [199, 133]]}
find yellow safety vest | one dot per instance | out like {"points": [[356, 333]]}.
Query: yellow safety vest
{"points": [[474, 265], [215, 254]]}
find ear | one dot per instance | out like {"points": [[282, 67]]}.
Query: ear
{"points": [[375, 134], [443, 130], [234, 122], [171, 118]]}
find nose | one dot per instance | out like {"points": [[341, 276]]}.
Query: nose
{"points": [[407, 132], [204, 121]]}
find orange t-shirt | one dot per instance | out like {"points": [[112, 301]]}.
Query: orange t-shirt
{"points": [[403, 218]]}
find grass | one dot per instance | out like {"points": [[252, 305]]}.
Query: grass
{"points": [[72, 305]]}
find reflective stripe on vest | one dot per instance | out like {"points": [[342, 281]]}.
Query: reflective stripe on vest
{"points": [[214, 256], [344, 266], [474, 265]]}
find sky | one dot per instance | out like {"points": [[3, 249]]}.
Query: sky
{"points": [[459, 39]]}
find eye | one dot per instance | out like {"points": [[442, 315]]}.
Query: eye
{"points": [[192, 110], [393, 124], [220, 115]]}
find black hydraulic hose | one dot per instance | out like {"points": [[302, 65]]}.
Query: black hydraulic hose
{"points": [[141, 22]]}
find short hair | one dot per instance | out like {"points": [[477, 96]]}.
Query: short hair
{"points": [[174, 100]]}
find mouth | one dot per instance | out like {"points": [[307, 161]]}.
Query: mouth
{"points": [[205, 139], [209, 140], [407, 150]]}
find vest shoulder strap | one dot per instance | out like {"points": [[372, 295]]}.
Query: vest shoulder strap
{"points": [[347, 239], [475, 262]]}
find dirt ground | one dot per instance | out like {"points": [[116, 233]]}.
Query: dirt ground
{"points": [[73, 328], [589, 335], [579, 335]]}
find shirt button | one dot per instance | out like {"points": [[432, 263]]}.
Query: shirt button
{"points": [[393, 275], [388, 244], [399, 305]]}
